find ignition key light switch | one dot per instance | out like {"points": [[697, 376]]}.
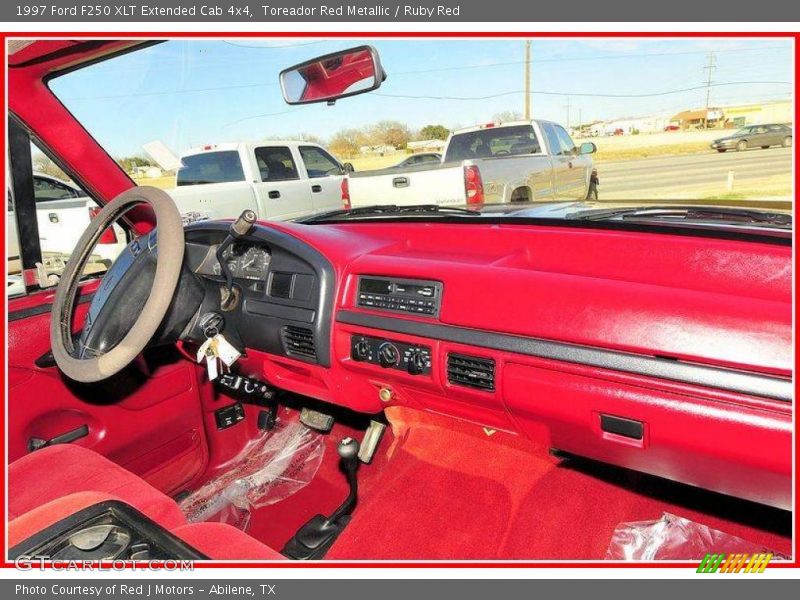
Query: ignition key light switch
{"points": [[361, 350]]}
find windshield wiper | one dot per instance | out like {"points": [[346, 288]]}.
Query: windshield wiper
{"points": [[388, 210], [708, 214]]}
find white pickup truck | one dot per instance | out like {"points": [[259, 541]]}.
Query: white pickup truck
{"points": [[521, 161], [278, 180], [63, 212]]}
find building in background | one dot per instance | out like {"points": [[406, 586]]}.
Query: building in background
{"points": [[734, 116], [758, 113], [426, 146], [700, 118], [628, 126]]}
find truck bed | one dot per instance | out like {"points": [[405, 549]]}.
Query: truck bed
{"points": [[422, 184]]}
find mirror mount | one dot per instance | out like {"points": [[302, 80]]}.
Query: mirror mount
{"points": [[333, 76]]}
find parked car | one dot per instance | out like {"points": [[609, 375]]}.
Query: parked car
{"points": [[277, 179], [63, 212], [755, 136], [520, 161], [422, 158]]}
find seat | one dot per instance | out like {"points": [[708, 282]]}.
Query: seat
{"points": [[57, 471], [53, 483]]}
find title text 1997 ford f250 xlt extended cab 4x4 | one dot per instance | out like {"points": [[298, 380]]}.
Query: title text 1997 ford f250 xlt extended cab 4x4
{"points": [[520, 161], [276, 180]]}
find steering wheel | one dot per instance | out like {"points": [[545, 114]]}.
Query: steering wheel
{"points": [[127, 308]]}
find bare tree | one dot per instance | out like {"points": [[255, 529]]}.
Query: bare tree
{"points": [[43, 164], [347, 142], [507, 115], [390, 133]]}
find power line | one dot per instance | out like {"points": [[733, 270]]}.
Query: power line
{"points": [[275, 114], [172, 92], [580, 59], [541, 92], [426, 97], [415, 72], [581, 94]]}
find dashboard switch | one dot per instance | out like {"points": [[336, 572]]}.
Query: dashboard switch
{"points": [[246, 388], [388, 355], [361, 350], [414, 359], [416, 362]]}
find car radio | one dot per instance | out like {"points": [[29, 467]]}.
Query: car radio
{"points": [[411, 296]]}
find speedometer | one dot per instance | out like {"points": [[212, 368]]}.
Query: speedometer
{"points": [[254, 263], [243, 261]]}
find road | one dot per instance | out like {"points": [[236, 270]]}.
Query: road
{"points": [[660, 176]]}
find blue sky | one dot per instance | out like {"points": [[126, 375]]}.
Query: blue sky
{"points": [[187, 93]]}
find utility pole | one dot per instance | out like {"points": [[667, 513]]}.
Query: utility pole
{"points": [[527, 80], [709, 68], [567, 105]]}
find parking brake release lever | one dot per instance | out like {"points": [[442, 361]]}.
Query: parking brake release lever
{"points": [[65, 438], [241, 227]]}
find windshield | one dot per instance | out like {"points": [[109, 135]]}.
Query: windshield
{"points": [[602, 124]]}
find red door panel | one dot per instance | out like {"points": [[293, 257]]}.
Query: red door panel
{"points": [[148, 419]]}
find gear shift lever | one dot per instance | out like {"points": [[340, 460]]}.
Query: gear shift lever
{"points": [[348, 453], [241, 227], [314, 538]]}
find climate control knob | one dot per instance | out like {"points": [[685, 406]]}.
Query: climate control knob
{"points": [[417, 361], [361, 350], [388, 355]]}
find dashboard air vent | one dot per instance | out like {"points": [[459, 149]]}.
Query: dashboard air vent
{"points": [[471, 371], [299, 341]]}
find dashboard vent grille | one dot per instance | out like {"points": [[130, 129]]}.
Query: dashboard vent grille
{"points": [[471, 371], [299, 341]]}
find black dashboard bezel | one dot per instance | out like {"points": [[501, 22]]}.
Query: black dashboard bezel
{"points": [[263, 332]]}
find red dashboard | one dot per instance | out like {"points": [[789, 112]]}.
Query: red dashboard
{"points": [[668, 354]]}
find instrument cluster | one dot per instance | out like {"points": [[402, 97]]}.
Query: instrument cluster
{"points": [[245, 261]]}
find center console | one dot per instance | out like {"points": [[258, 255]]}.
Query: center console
{"points": [[107, 531]]}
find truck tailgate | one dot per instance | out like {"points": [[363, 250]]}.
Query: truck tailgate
{"points": [[440, 184]]}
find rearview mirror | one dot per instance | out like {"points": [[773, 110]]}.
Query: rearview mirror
{"points": [[588, 148], [333, 76]]}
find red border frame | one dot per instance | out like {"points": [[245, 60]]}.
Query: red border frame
{"points": [[409, 34]]}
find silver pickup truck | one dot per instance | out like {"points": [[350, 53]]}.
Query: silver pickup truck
{"points": [[521, 161]]}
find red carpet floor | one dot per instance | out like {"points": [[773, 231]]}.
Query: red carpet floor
{"points": [[442, 489], [449, 491]]}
